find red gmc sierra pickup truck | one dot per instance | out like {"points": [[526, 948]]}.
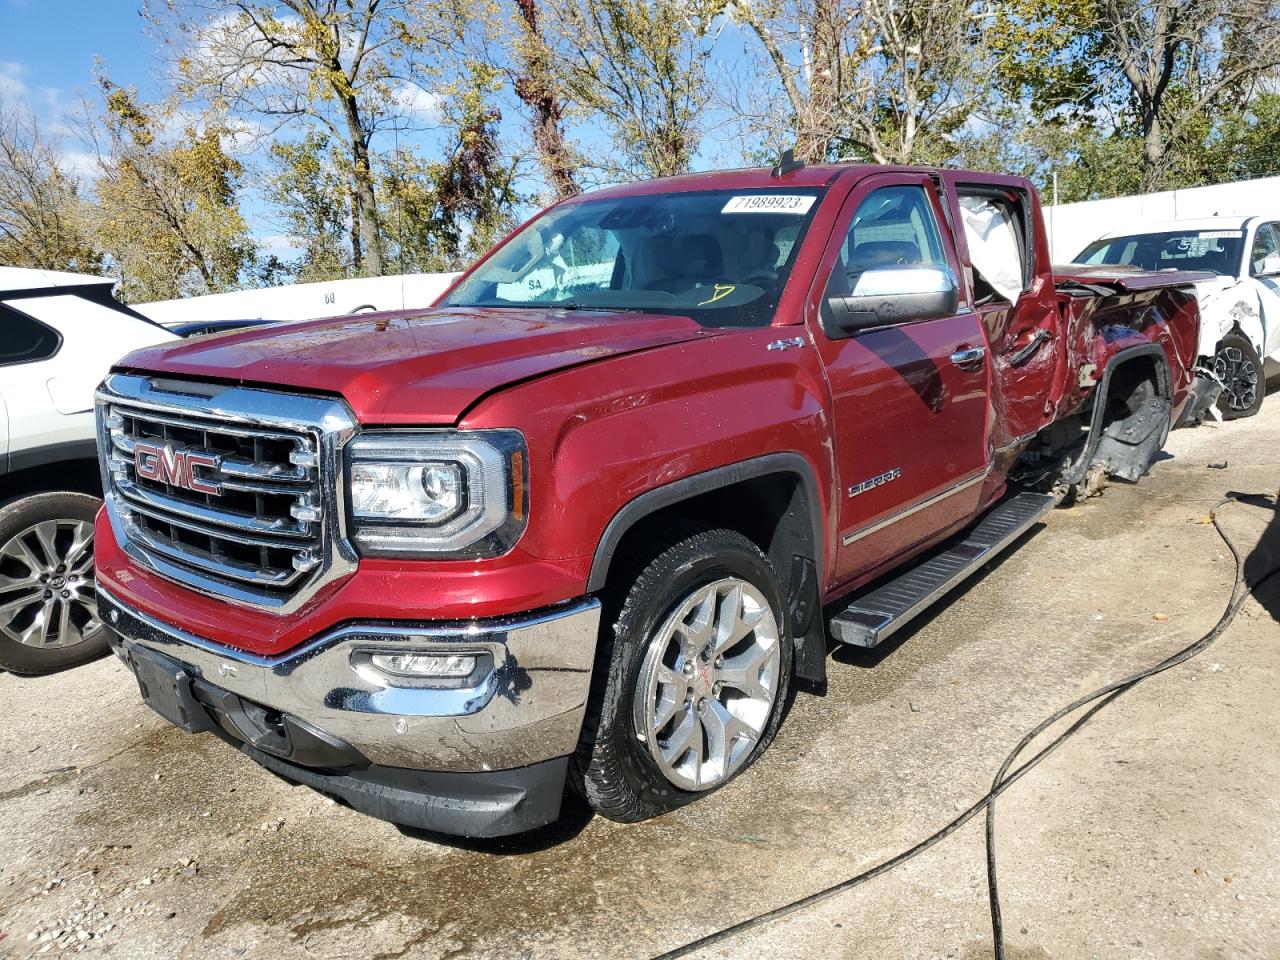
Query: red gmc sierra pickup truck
{"points": [[586, 521]]}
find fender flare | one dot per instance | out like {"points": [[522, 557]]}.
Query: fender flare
{"points": [[1075, 473], [686, 488]]}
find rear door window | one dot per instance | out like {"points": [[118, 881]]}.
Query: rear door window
{"points": [[998, 250]]}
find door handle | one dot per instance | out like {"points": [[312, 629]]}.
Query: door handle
{"points": [[971, 355]]}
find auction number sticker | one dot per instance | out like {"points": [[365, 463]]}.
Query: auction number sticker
{"points": [[769, 203]]}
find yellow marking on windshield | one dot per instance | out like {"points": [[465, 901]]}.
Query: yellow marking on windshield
{"points": [[722, 290]]}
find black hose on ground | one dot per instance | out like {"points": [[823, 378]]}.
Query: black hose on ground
{"points": [[1100, 698]]}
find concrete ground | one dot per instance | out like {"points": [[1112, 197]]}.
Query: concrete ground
{"points": [[1154, 833]]}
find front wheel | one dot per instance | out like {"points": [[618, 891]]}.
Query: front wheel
{"points": [[698, 676], [48, 605], [1239, 368]]}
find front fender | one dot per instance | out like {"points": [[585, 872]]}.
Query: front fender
{"points": [[1236, 308], [603, 435]]}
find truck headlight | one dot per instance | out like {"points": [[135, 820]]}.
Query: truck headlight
{"points": [[460, 492]]}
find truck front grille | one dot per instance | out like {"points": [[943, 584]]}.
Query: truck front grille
{"points": [[228, 489]]}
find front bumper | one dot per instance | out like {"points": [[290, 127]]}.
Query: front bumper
{"points": [[481, 760], [528, 708]]}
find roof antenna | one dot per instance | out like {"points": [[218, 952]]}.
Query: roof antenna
{"points": [[787, 163]]}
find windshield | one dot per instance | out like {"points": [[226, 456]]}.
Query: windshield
{"points": [[719, 257], [1217, 251]]}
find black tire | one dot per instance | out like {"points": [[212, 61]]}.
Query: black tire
{"points": [[1239, 367], [613, 767], [16, 517]]}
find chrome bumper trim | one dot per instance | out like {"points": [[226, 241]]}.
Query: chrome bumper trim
{"points": [[527, 708]]}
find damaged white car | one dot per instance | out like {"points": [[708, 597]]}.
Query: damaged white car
{"points": [[1240, 309]]}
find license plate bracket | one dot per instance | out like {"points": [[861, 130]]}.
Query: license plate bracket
{"points": [[165, 685]]}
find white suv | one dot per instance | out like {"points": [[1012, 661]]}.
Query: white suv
{"points": [[1239, 309], [59, 335]]}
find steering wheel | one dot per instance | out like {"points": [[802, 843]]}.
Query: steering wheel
{"points": [[762, 279]]}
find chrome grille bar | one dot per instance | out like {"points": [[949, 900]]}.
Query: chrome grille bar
{"points": [[260, 523]]}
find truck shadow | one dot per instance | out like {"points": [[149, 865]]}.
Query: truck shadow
{"points": [[1260, 571], [1262, 564]]}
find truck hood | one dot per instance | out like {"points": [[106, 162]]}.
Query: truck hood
{"points": [[1126, 279], [424, 367]]}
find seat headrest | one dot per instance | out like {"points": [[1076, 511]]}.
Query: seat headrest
{"points": [[694, 255], [883, 253]]}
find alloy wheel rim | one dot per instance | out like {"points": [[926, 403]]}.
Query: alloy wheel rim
{"points": [[707, 683], [1239, 376], [47, 587]]}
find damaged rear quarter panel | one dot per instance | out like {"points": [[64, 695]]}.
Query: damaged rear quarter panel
{"points": [[1100, 327]]}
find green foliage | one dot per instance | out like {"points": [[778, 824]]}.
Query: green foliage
{"points": [[640, 67], [1044, 51], [443, 214], [167, 210], [308, 189], [410, 134], [434, 215], [43, 216]]}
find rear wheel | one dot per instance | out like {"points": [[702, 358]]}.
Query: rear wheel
{"points": [[1239, 368], [48, 605], [698, 675]]}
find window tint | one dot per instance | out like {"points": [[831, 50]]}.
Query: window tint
{"points": [[1217, 251], [24, 339], [1265, 256], [892, 226]]}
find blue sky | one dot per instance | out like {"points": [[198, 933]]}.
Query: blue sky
{"points": [[48, 46], [48, 50]]}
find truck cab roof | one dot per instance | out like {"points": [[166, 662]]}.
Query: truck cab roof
{"points": [[762, 178]]}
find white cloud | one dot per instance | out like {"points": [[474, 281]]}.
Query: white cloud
{"points": [[79, 163], [12, 86], [413, 101]]}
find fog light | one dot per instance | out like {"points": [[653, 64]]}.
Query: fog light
{"points": [[424, 666]]}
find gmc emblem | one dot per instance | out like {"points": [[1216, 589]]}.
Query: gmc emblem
{"points": [[165, 464]]}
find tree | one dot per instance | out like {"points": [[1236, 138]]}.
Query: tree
{"points": [[536, 87], [1209, 51], [309, 190], [445, 213], [1163, 70], [168, 213], [640, 66], [351, 69], [43, 217], [884, 80], [802, 42]]}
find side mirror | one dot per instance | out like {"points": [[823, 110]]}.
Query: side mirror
{"points": [[894, 294]]}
